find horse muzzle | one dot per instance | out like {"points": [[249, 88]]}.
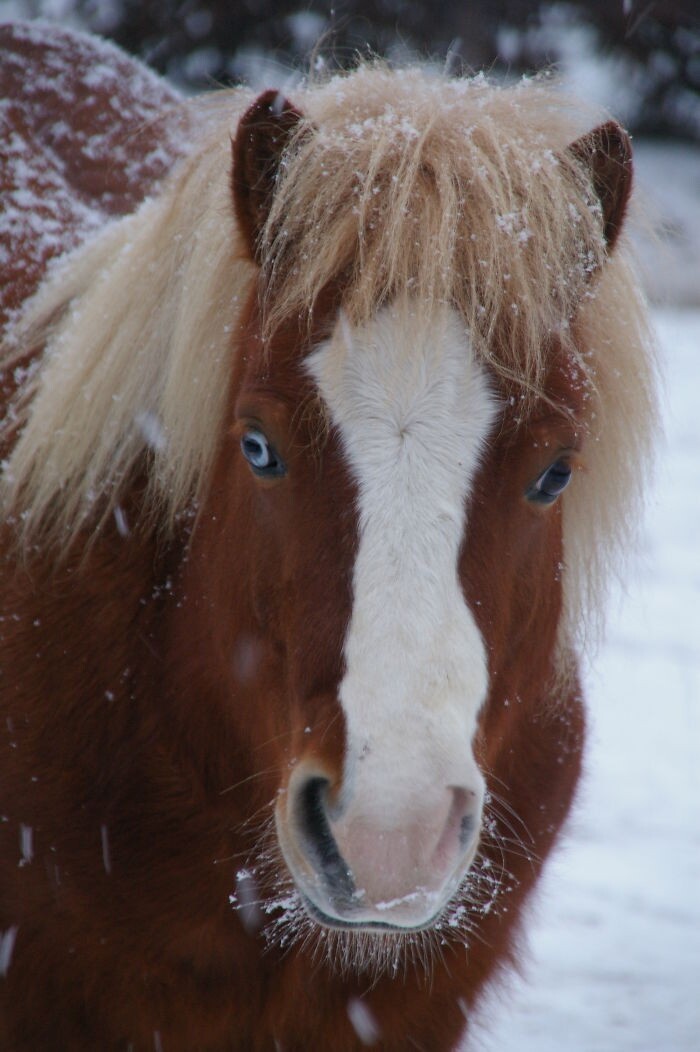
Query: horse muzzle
{"points": [[358, 868]]}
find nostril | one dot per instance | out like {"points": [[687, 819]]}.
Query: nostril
{"points": [[462, 821], [318, 839], [467, 826]]}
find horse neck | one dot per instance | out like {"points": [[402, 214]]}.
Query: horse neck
{"points": [[80, 628]]}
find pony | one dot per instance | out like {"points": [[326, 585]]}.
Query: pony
{"points": [[327, 415]]}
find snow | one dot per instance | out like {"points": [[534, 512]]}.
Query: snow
{"points": [[106, 855], [63, 177], [26, 842], [7, 945], [363, 1022], [614, 937]]}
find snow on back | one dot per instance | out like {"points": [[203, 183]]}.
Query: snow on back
{"points": [[84, 138]]}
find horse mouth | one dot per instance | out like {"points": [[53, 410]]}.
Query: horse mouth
{"points": [[366, 925]]}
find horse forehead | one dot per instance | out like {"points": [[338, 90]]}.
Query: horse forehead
{"points": [[406, 386]]}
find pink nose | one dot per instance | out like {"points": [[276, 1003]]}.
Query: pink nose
{"points": [[391, 873]]}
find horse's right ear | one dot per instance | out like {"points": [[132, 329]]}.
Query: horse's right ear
{"points": [[261, 138], [606, 153]]}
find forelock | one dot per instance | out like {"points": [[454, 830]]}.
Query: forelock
{"points": [[459, 192]]}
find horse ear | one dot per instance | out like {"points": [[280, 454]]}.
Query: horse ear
{"points": [[261, 137], [607, 154]]}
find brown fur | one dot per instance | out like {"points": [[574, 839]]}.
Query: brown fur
{"points": [[156, 687]]}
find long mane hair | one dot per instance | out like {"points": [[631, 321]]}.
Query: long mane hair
{"points": [[394, 181]]}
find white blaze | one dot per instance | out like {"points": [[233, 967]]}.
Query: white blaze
{"points": [[414, 409]]}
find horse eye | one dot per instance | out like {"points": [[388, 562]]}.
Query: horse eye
{"points": [[551, 483], [260, 455]]}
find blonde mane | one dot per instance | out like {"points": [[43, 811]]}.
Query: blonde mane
{"points": [[456, 190]]}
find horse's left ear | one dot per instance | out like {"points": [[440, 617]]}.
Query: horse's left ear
{"points": [[261, 137], [607, 154]]}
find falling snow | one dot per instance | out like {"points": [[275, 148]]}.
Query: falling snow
{"points": [[26, 844], [106, 855], [363, 1021], [7, 945]]}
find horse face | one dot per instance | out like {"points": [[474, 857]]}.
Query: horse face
{"points": [[382, 595], [406, 566], [359, 459]]}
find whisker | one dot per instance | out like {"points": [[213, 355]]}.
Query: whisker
{"points": [[503, 803], [287, 926], [244, 781]]}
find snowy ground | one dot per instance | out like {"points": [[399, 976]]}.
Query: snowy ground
{"points": [[614, 961]]}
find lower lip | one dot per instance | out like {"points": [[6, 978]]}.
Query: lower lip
{"points": [[374, 926]]}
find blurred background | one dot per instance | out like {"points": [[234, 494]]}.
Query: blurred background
{"points": [[638, 58], [646, 52], [613, 957]]}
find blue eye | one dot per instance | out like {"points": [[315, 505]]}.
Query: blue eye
{"points": [[260, 455], [551, 483]]}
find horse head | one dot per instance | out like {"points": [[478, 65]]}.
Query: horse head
{"points": [[396, 524]]}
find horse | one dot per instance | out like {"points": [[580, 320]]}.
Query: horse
{"points": [[327, 417]]}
